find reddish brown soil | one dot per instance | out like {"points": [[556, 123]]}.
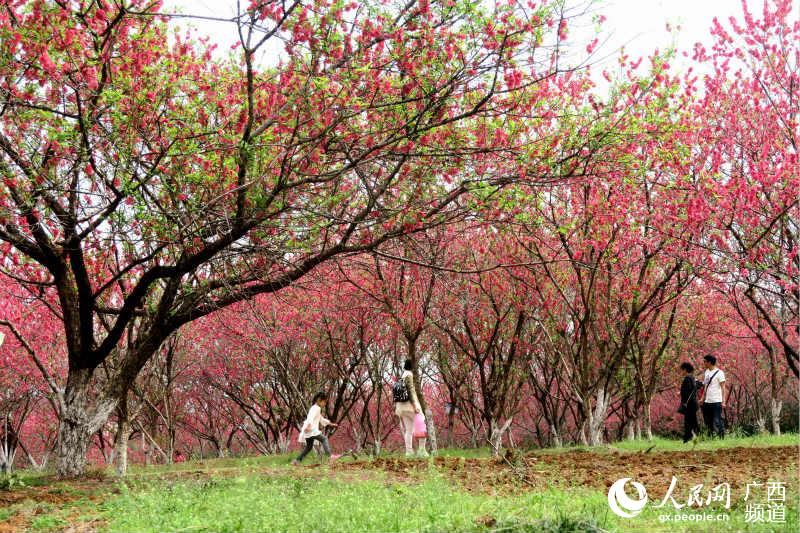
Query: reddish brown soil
{"points": [[535, 471], [512, 472], [737, 466], [93, 488]]}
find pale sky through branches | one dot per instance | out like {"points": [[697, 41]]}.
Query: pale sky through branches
{"points": [[638, 25]]}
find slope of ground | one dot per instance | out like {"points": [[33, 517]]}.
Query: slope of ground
{"points": [[459, 490]]}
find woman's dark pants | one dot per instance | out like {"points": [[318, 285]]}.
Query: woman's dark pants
{"points": [[310, 445], [690, 425]]}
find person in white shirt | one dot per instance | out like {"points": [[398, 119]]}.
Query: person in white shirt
{"points": [[714, 396], [310, 431]]}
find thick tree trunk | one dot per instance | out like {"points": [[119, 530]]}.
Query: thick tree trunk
{"points": [[78, 423], [73, 442], [648, 421], [74, 433], [6, 458], [474, 433], [584, 432], [630, 429], [496, 435], [433, 444], [775, 412], [555, 436], [596, 427], [121, 442], [121, 446], [774, 389], [597, 418], [358, 438], [8, 445]]}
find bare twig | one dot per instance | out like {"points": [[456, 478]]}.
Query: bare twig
{"points": [[514, 468], [48, 378]]}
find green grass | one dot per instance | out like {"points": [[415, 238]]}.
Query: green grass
{"points": [[214, 465], [260, 503], [283, 503], [704, 443], [266, 494], [48, 522]]}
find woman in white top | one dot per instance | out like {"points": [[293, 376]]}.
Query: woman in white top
{"points": [[310, 430], [405, 411]]}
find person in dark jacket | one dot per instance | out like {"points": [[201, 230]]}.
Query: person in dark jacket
{"points": [[689, 403]]}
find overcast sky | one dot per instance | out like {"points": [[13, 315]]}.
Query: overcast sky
{"points": [[638, 25]]}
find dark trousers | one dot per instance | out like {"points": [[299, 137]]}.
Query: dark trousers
{"points": [[712, 415], [691, 426], [310, 446]]}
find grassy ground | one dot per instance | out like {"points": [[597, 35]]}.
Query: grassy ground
{"points": [[461, 490], [658, 444], [787, 439]]}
